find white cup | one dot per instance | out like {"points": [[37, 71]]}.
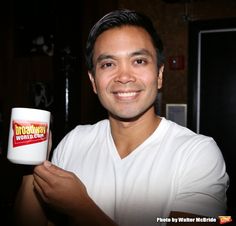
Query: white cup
{"points": [[28, 136]]}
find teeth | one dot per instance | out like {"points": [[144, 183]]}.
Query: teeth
{"points": [[129, 94]]}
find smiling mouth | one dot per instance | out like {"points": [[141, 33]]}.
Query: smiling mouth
{"points": [[126, 94]]}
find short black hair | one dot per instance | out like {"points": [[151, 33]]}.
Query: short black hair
{"points": [[119, 18]]}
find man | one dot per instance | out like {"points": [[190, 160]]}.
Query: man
{"points": [[135, 168]]}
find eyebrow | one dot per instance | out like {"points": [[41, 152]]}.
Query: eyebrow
{"points": [[132, 54], [141, 52], [104, 57]]}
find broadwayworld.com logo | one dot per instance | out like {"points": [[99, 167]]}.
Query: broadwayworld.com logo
{"points": [[225, 219], [221, 219]]}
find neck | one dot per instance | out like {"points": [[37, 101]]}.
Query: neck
{"points": [[128, 135]]}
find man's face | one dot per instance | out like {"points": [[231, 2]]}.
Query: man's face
{"points": [[126, 77]]}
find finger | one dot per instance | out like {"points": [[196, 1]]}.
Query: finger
{"points": [[39, 186], [42, 172], [40, 181], [55, 169], [51, 173]]}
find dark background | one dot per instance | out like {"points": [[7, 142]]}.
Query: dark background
{"points": [[213, 59]]}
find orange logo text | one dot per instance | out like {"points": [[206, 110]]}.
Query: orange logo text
{"points": [[26, 132]]}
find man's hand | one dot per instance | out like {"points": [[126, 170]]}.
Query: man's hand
{"points": [[61, 189], [64, 191]]}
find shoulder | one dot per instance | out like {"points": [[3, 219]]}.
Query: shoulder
{"points": [[79, 139], [194, 152], [83, 131], [183, 135], [88, 128], [189, 146]]}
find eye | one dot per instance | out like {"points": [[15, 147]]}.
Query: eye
{"points": [[140, 61], [106, 65]]}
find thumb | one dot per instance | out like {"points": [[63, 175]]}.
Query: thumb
{"points": [[54, 169]]}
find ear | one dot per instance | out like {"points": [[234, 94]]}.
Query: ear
{"points": [[91, 78], [160, 76]]}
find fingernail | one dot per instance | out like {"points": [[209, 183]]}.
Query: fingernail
{"points": [[47, 164]]}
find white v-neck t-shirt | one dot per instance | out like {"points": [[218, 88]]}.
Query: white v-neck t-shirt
{"points": [[172, 170]]}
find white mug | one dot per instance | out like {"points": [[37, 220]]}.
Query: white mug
{"points": [[28, 136]]}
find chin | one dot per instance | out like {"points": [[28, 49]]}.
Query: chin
{"points": [[130, 113], [128, 117]]}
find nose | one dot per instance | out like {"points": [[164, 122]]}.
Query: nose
{"points": [[125, 74]]}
